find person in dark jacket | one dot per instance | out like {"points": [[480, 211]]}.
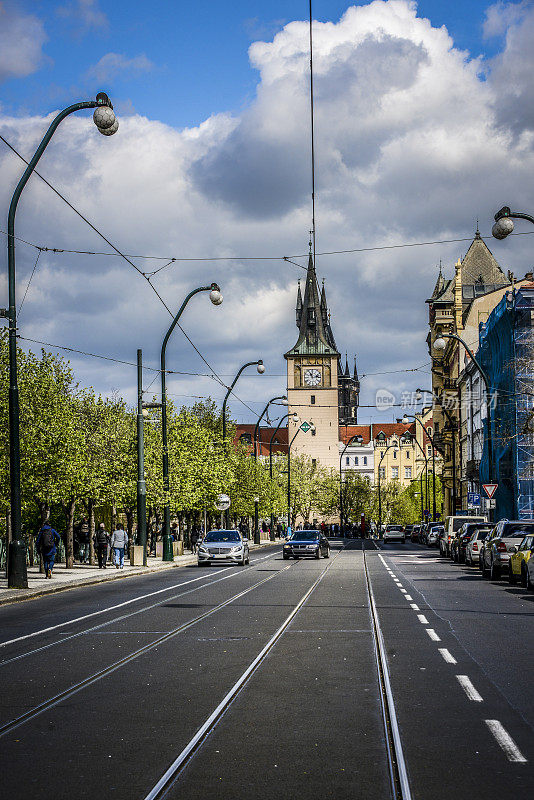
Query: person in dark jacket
{"points": [[101, 542], [194, 539], [83, 536], [47, 542]]}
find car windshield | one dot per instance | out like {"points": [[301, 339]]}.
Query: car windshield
{"points": [[481, 534], [459, 521], [438, 529], [517, 530], [306, 536], [222, 536]]}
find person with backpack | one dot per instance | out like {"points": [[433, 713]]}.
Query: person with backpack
{"points": [[47, 542], [194, 539], [83, 537], [119, 543], [101, 542]]}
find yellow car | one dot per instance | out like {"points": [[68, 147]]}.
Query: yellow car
{"points": [[517, 566]]}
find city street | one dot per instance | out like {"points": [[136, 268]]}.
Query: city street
{"points": [[263, 681]]}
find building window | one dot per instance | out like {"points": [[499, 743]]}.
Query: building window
{"points": [[312, 399], [347, 460], [394, 454], [394, 472], [365, 461], [355, 461], [407, 454], [313, 432], [381, 472], [428, 450], [407, 472]]}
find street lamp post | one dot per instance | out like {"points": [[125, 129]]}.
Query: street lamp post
{"points": [[405, 420], [311, 428], [440, 345], [452, 424], [295, 419], [358, 439], [216, 299], [261, 369], [256, 521], [107, 124], [141, 483], [503, 222], [281, 397], [379, 495]]}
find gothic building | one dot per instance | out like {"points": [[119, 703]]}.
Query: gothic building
{"points": [[319, 388]]}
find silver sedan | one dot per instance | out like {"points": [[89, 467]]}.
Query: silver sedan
{"points": [[223, 546]]}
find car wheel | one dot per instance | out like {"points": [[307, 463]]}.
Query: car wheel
{"points": [[318, 554], [468, 561], [495, 572], [483, 566], [530, 585], [512, 579], [327, 554], [285, 557]]}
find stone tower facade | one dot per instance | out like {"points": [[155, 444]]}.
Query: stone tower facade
{"points": [[318, 389]]}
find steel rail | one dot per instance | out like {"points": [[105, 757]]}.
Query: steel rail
{"points": [[94, 628], [400, 786], [169, 778], [39, 709]]}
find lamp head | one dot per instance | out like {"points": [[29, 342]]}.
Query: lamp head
{"points": [[104, 117], [103, 100], [283, 400], [503, 226], [295, 418], [215, 295], [405, 420], [418, 396], [260, 367], [440, 344]]}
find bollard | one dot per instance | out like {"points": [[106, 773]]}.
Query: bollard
{"points": [[17, 575]]}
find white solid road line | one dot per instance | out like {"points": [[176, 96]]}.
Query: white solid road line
{"points": [[433, 635], [118, 605], [447, 656], [513, 753], [422, 619], [469, 689]]}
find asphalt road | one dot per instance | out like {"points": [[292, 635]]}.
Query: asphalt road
{"points": [[104, 687]]}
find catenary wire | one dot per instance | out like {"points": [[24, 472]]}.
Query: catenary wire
{"points": [[31, 277], [127, 259]]}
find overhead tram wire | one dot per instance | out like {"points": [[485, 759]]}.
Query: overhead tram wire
{"points": [[312, 131], [128, 261]]}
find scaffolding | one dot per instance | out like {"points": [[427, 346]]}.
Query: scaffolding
{"points": [[507, 354]]}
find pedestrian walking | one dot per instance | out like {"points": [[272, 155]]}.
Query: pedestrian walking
{"points": [[119, 543], [194, 539], [83, 537], [47, 542], [101, 542]]}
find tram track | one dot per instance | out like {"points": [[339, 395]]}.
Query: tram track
{"points": [[46, 705]]}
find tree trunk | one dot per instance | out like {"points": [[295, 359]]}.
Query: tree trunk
{"points": [[69, 509], [91, 515], [113, 517], [129, 530]]}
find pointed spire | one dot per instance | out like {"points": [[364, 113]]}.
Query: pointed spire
{"points": [[440, 284], [347, 371], [477, 232], [323, 298], [355, 374], [299, 306]]}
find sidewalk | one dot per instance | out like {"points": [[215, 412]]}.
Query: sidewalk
{"points": [[85, 575]]}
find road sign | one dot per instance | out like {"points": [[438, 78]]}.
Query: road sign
{"points": [[490, 489], [473, 499], [222, 503], [305, 427]]}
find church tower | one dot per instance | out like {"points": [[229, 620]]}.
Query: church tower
{"points": [[313, 377]]}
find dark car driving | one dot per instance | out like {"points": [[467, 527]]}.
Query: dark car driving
{"points": [[313, 544]]}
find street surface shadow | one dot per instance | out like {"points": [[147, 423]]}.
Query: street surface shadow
{"points": [[184, 605]]}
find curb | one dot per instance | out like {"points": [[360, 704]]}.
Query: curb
{"points": [[30, 594]]}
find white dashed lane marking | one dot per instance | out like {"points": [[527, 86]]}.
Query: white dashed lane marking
{"points": [[408, 597], [433, 635], [447, 656], [422, 619], [414, 606], [505, 741], [469, 689]]}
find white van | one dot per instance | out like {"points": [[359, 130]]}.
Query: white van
{"points": [[453, 524]]}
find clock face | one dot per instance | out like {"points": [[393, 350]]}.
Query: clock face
{"points": [[312, 377]]}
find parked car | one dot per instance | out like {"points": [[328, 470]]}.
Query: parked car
{"points": [[306, 544], [394, 532], [475, 544], [414, 536], [433, 536], [463, 537], [408, 531], [453, 524], [517, 566], [225, 546], [500, 544]]}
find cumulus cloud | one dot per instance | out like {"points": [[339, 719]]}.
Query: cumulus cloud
{"points": [[501, 15], [410, 147], [113, 64], [84, 16], [22, 37]]}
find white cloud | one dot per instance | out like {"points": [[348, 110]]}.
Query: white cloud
{"points": [[84, 15], [411, 146], [22, 37], [112, 64], [501, 15]]}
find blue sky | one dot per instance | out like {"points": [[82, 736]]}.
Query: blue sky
{"points": [[196, 53], [424, 123]]}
